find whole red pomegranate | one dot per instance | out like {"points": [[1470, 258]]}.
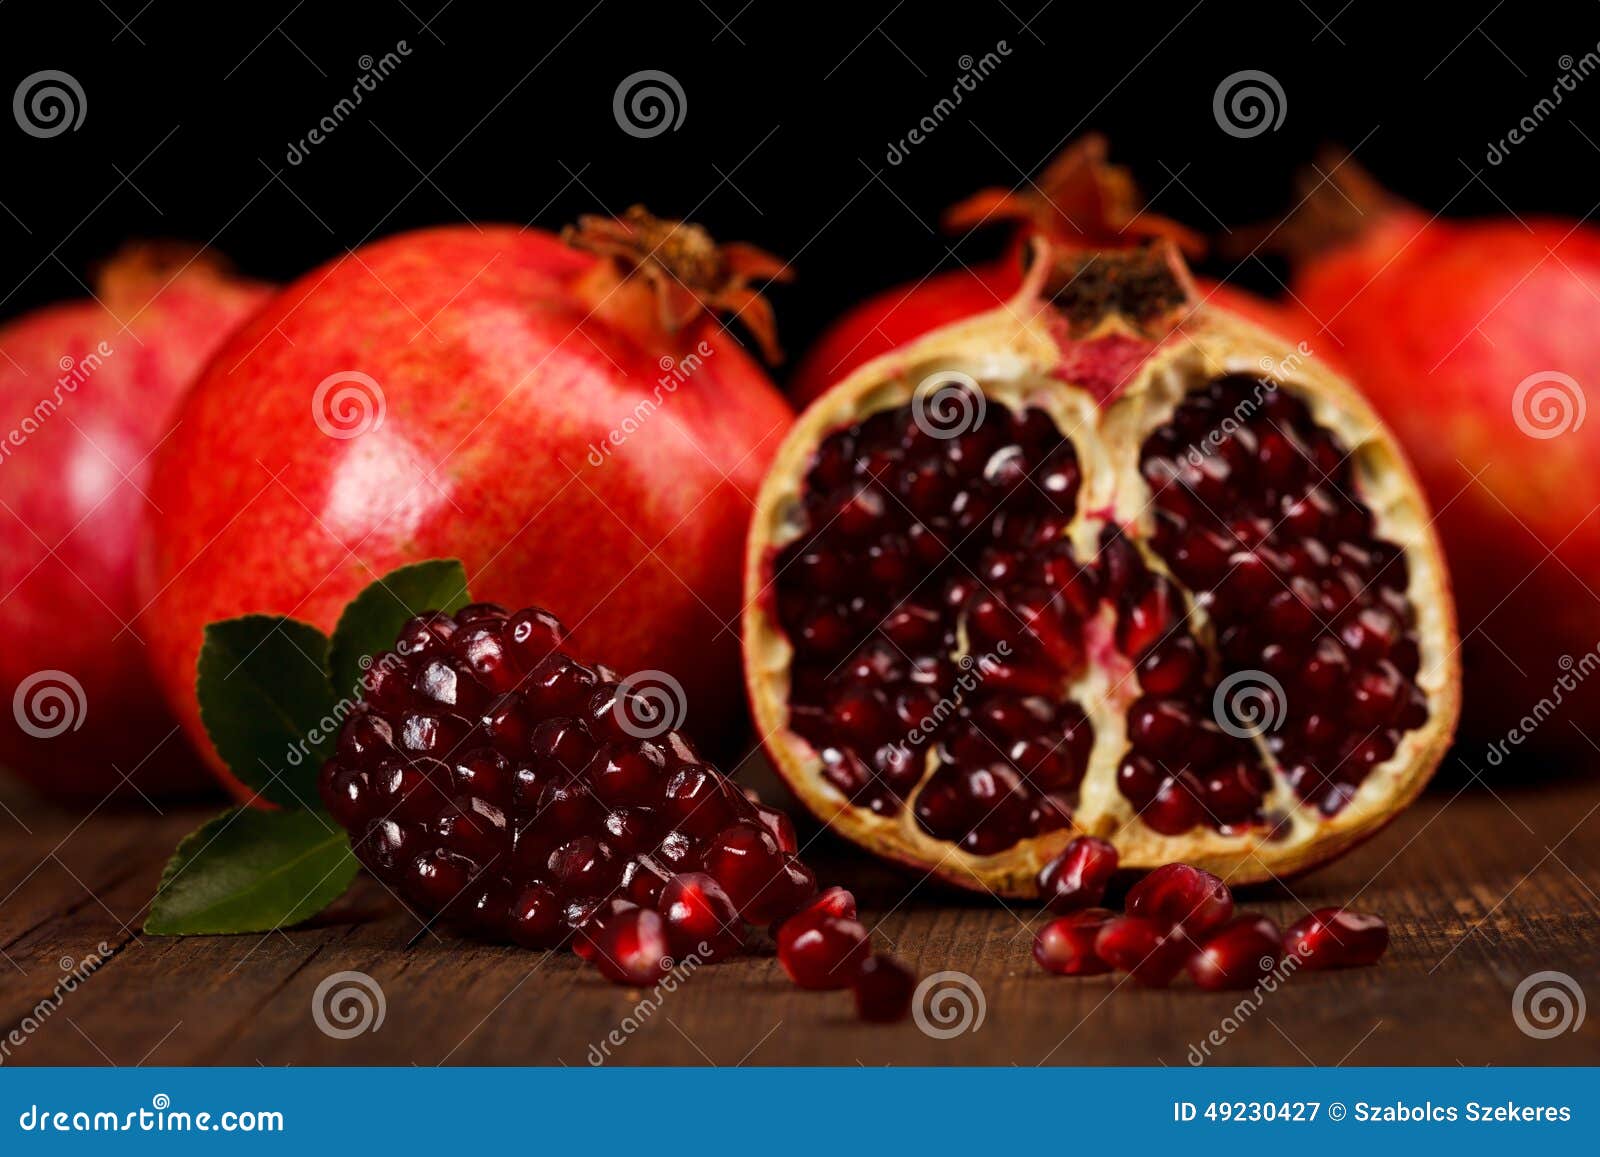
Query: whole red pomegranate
{"points": [[1105, 561], [1477, 342], [1081, 201], [88, 390], [563, 414]]}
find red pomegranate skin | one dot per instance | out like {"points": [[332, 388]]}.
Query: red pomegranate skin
{"points": [[505, 361], [72, 482], [1441, 321]]}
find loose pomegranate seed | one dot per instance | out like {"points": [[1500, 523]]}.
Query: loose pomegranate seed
{"points": [[1147, 951], [1336, 938], [822, 951], [1067, 945], [1238, 954], [1077, 878], [484, 778], [882, 987], [1178, 894]]}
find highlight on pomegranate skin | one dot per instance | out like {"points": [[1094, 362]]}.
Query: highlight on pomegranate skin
{"points": [[1106, 563]]}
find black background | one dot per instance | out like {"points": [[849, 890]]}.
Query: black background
{"points": [[504, 112]]}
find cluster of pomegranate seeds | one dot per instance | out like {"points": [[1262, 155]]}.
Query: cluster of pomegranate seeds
{"points": [[914, 549], [1179, 918], [904, 530], [1264, 526], [490, 778]]}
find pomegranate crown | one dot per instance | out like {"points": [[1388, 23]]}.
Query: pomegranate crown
{"points": [[689, 271], [1339, 202], [1146, 290], [1080, 199]]}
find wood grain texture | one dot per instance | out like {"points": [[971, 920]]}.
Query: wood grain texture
{"points": [[1481, 889]]}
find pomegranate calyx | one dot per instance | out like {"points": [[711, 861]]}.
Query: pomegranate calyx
{"points": [[132, 276], [1144, 292], [689, 272], [1339, 203], [1080, 199]]}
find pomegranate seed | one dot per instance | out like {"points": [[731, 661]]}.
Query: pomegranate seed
{"points": [[632, 948], [1238, 954], [1337, 938], [821, 951], [1146, 951], [700, 918], [1182, 895], [764, 884], [1066, 945], [883, 987], [1077, 878]]}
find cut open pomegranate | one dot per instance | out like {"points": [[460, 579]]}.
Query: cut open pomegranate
{"points": [[1105, 561]]}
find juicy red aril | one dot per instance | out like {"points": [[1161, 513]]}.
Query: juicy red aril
{"points": [[1144, 949], [484, 778], [1066, 945], [700, 917], [822, 951], [1181, 895], [763, 882], [1077, 878], [883, 987], [1336, 938], [1238, 954]]}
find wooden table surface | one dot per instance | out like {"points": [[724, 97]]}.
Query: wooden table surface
{"points": [[1482, 888]]}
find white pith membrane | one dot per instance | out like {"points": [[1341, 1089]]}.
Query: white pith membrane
{"points": [[1015, 355]]}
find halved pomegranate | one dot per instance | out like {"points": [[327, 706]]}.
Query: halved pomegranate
{"points": [[1105, 561]]}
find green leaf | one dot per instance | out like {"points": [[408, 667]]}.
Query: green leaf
{"points": [[372, 621], [251, 871], [267, 704]]}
